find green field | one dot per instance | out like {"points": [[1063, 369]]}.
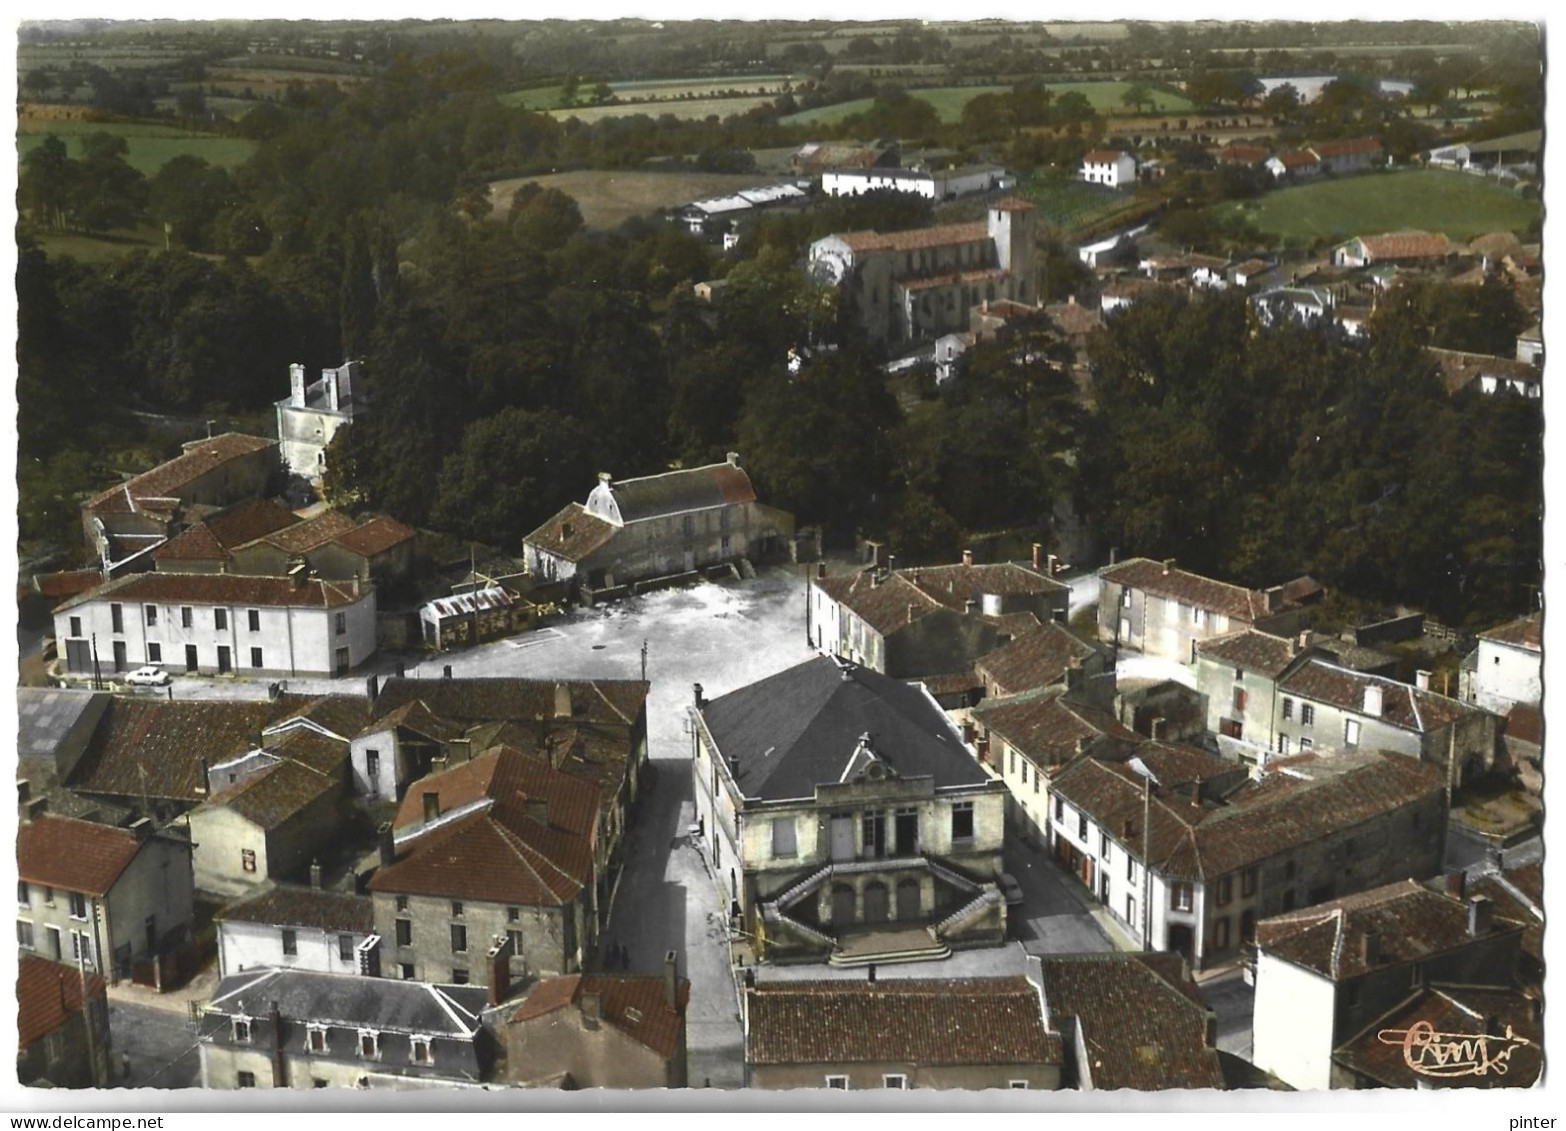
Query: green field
{"points": [[151, 146], [693, 108], [1071, 204], [643, 91], [609, 197], [949, 101], [1459, 205]]}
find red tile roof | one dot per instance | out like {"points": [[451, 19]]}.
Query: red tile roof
{"points": [[377, 536], [1234, 601], [310, 533], [197, 543], [1401, 705], [572, 534], [968, 1021], [1102, 156], [222, 589], [1525, 632], [47, 993], [1526, 724], [1298, 159], [1046, 727], [1251, 650], [1348, 147], [168, 479], [276, 795], [249, 520], [1406, 245], [943, 235], [1013, 204], [1463, 1010], [65, 584], [1239, 154], [1035, 659], [73, 855], [953, 279], [637, 1006]]}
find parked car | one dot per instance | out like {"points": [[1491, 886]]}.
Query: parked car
{"points": [[148, 676], [1011, 889]]}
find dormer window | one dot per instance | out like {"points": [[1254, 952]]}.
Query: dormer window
{"points": [[369, 1044], [422, 1051], [315, 1039], [242, 1030]]}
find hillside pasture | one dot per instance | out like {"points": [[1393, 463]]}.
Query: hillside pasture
{"points": [[1432, 200], [151, 144], [607, 198]]}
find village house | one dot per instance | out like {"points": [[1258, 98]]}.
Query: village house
{"points": [[1530, 345], [59, 1044], [207, 544], [931, 623], [130, 519], [1111, 167], [932, 184], [1156, 609], [1350, 155], [1410, 248], [300, 928], [1330, 977], [658, 526], [836, 802], [304, 1029], [120, 901], [1193, 867], [1294, 163], [218, 623], [1515, 893], [1130, 1021], [1507, 668], [899, 1033], [1041, 657], [1307, 305], [1248, 273], [1486, 374], [498, 853], [600, 1031], [1246, 156], [1125, 292], [917, 285], [314, 412]]}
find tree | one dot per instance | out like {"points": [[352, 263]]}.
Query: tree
{"points": [[1282, 102], [108, 192], [187, 195], [46, 180], [1136, 95]]}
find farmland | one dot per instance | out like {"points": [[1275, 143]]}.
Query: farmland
{"points": [[634, 97], [1070, 204], [1462, 206], [608, 198], [950, 100], [151, 146], [691, 109]]}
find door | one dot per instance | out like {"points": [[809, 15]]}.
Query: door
{"points": [[907, 833], [843, 838], [342, 660], [78, 656], [152, 934], [908, 900], [690, 560], [1103, 887], [1180, 940], [225, 660], [875, 902], [54, 952], [842, 905], [191, 662], [119, 656]]}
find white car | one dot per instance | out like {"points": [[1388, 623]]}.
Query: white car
{"points": [[1011, 889], [148, 676]]}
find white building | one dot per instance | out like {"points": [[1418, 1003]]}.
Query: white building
{"points": [[300, 928], [216, 623], [1110, 167], [932, 184], [312, 413], [1508, 666]]}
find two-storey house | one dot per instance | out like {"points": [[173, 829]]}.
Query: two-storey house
{"points": [[1112, 168], [1507, 668], [300, 928]]}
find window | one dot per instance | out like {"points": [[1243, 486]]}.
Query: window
{"points": [[1289, 870], [406, 970], [369, 1044], [895, 1080], [220, 619], [185, 616], [345, 947], [459, 939], [24, 934], [1306, 744], [1239, 674], [687, 526], [456, 909], [247, 859], [513, 914], [48, 896], [1035, 781], [1060, 809], [1125, 598], [1307, 714], [514, 935], [783, 842], [1082, 826], [459, 976], [1283, 744], [962, 820], [78, 903], [81, 947], [117, 618], [254, 618], [152, 615], [1130, 869], [404, 932], [340, 623], [421, 1052], [1239, 700], [246, 1079], [1019, 1085], [290, 941], [1350, 732], [315, 1039], [1180, 897], [838, 1082], [402, 903], [317, 1082], [24, 895], [1288, 707], [256, 660], [1103, 848], [76, 626], [154, 653], [1247, 883], [1131, 910], [1013, 758], [1024, 773], [372, 764], [1225, 891], [242, 1030]]}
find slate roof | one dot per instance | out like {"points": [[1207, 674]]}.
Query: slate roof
{"points": [[572, 534], [221, 589], [943, 235], [1234, 601], [1525, 632], [383, 1004], [967, 1021], [1401, 705], [1251, 650], [476, 700], [1279, 813], [802, 727], [169, 478], [637, 1006], [376, 536], [1411, 922], [1045, 725], [73, 855], [1452, 1009], [1142, 1020], [47, 993], [47, 715], [304, 907]]}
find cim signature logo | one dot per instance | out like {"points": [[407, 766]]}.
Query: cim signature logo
{"points": [[1430, 1053]]}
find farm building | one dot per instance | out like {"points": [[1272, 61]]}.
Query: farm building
{"points": [[469, 618], [936, 184]]}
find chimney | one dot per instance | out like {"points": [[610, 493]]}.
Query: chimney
{"points": [[1422, 680], [296, 385], [333, 396], [1158, 728], [605, 479], [499, 960], [1210, 1029], [969, 606], [446, 672], [563, 701], [1075, 676], [700, 702], [1373, 699], [315, 875], [671, 980], [538, 809], [388, 845], [1307, 640], [24, 790], [298, 573], [891, 562], [279, 1063], [1457, 885], [1053, 563], [967, 557], [1082, 745], [1370, 948], [1168, 565], [593, 1006], [142, 827], [204, 782], [1038, 557], [872, 973], [372, 687], [1071, 300], [1481, 913], [733, 459]]}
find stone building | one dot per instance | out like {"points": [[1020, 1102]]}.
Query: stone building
{"points": [[917, 285], [837, 802], [59, 1043], [313, 412], [1507, 668], [658, 526]]}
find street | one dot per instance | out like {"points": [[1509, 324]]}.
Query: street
{"points": [[157, 1043], [1052, 918]]}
